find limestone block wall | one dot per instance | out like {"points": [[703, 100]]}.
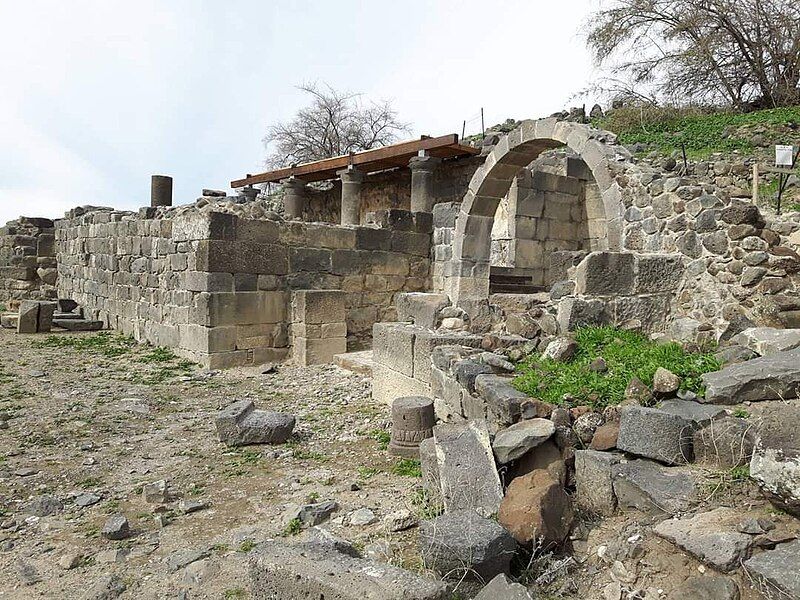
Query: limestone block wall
{"points": [[27, 260], [218, 287]]}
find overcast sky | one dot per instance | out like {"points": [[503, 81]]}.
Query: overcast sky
{"points": [[97, 96]]}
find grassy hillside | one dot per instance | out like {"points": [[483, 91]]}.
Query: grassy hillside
{"points": [[703, 131]]}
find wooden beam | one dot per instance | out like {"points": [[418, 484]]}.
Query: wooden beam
{"points": [[324, 169]]}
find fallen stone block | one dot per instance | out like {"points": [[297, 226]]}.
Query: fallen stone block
{"points": [[241, 424], [467, 472], [502, 588], [768, 340], [66, 305], [775, 464], [513, 442], [45, 320], [420, 308], [772, 377], [778, 570], [78, 324], [545, 457], [28, 320], [594, 481], [536, 509], [652, 488], [654, 434], [503, 401], [462, 543], [279, 571], [699, 413], [9, 321], [709, 536]]}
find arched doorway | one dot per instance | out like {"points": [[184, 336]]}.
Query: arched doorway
{"points": [[466, 279]]}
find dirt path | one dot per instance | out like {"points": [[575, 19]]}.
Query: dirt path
{"points": [[105, 418]]}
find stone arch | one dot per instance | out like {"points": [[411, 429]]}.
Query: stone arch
{"points": [[466, 277]]}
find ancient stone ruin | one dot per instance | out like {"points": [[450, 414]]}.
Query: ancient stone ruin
{"points": [[436, 268]]}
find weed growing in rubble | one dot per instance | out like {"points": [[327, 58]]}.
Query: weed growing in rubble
{"points": [[627, 354], [365, 473], [236, 593], [293, 527], [407, 467], [381, 436], [426, 506], [104, 343]]}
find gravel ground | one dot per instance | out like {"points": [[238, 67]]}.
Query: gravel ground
{"points": [[94, 424]]}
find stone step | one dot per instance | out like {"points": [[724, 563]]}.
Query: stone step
{"points": [[9, 320], [357, 362], [78, 324]]}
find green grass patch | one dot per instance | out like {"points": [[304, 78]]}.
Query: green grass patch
{"points": [[381, 436], [627, 354], [104, 343], [407, 467], [293, 527], [703, 131]]}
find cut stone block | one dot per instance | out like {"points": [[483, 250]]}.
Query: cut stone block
{"points": [[67, 305], [605, 273], [357, 362], [9, 321], [313, 571], [45, 322], [318, 306], [317, 351], [654, 434], [420, 308], [240, 424], [772, 377], [594, 480], [768, 340], [699, 413], [28, 321], [652, 488], [710, 536], [431, 482], [724, 443], [468, 476], [778, 569], [464, 544], [78, 324], [388, 384], [503, 401]]}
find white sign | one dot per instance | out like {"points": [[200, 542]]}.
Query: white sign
{"points": [[784, 156]]}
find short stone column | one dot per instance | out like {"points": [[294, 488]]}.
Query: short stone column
{"points": [[294, 197], [413, 419], [160, 190], [351, 195], [319, 330], [422, 170]]}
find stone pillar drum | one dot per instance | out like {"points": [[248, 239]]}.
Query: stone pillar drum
{"points": [[294, 197], [161, 190], [422, 171], [413, 419], [351, 195]]}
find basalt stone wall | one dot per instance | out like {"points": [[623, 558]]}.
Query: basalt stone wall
{"points": [[217, 287], [27, 260]]}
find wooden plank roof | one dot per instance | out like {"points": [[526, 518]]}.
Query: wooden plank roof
{"points": [[387, 157]]}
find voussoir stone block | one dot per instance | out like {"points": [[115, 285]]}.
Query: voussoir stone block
{"points": [[241, 424]]}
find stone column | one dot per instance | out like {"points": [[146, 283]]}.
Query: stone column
{"points": [[422, 169], [351, 195], [294, 197], [161, 190]]}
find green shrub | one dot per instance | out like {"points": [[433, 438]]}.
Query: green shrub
{"points": [[627, 354]]}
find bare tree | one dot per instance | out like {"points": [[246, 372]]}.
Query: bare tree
{"points": [[745, 53], [333, 124]]}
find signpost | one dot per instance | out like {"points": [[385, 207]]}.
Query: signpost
{"points": [[785, 159]]}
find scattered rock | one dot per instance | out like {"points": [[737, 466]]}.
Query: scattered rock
{"points": [[768, 340], [362, 517], [87, 499], [665, 383], [561, 349], [513, 442], [43, 506], [637, 392], [775, 463], [116, 527], [536, 507], [314, 514], [28, 574], [155, 492], [698, 413], [594, 481], [105, 588], [462, 543], [778, 569], [178, 560], [605, 438], [753, 526], [586, 425], [325, 539], [191, 506], [502, 588], [710, 587], [70, 560], [399, 520], [709, 537]]}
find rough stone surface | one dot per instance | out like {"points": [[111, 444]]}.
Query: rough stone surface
{"points": [[594, 481], [309, 571], [561, 349], [778, 569], [724, 443], [467, 472], [654, 434], [665, 383], [776, 376], [652, 488], [116, 527], [775, 463], [710, 537], [768, 340], [710, 587], [692, 411], [513, 442], [502, 588], [536, 507], [240, 424], [464, 543]]}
